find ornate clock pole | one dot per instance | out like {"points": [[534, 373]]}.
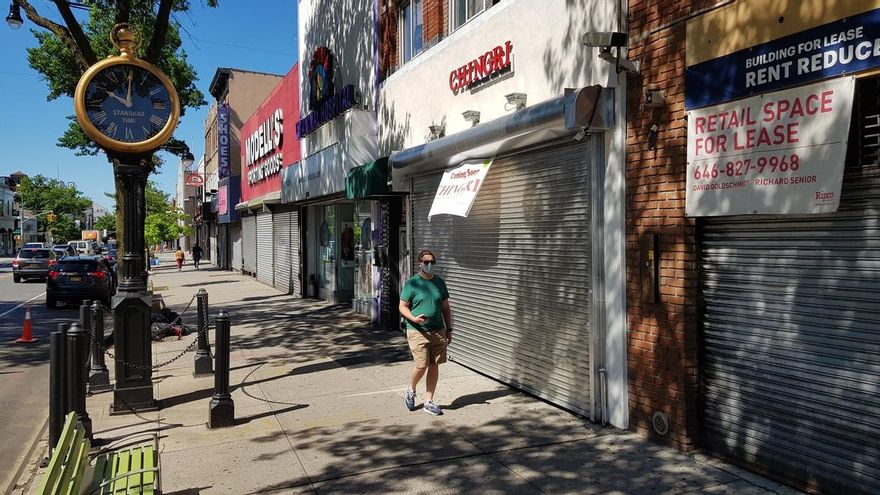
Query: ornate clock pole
{"points": [[130, 108]]}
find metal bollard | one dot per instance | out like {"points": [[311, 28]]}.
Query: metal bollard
{"points": [[222, 408], [85, 322], [203, 350], [76, 384], [57, 386], [99, 377]]}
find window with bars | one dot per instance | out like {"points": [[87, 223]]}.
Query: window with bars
{"points": [[412, 28]]}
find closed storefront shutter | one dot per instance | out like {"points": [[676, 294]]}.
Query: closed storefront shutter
{"points": [[792, 330], [235, 237], [281, 222], [265, 249], [295, 255], [518, 272], [249, 244]]}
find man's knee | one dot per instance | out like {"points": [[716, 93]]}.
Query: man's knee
{"points": [[421, 369]]}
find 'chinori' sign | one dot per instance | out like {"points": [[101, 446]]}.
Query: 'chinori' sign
{"points": [[458, 188], [777, 153]]}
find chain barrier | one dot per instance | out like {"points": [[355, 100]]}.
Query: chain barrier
{"points": [[165, 363]]}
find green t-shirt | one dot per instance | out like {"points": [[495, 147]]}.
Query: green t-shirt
{"points": [[426, 297]]}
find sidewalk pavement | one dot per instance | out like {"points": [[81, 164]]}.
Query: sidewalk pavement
{"points": [[319, 409]]}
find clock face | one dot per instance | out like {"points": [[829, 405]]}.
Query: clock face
{"points": [[127, 103]]}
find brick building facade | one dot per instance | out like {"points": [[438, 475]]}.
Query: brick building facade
{"points": [[663, 347]]}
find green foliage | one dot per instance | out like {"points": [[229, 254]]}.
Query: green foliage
{"points": [[42, 195], [52, 58], [165, 226], [158, 201], [63, 230], [164, 222], [106, 222]]}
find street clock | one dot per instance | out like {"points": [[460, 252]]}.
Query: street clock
{"points": [[126, 104]]}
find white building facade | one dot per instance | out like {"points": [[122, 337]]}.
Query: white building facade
{"points": [[535, 270]]}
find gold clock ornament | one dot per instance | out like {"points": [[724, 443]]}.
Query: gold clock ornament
{"points": [[125, 104]]}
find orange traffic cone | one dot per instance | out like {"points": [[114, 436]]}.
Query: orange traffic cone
{"points": [[26, 337]]}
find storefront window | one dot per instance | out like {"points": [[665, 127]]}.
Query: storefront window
{"points": [[327, 241]]}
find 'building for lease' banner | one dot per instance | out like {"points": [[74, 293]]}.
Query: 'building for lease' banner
{"points": [[778, 153]]}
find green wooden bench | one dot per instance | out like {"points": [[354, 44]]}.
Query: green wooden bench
{"points": [[74, 471]]}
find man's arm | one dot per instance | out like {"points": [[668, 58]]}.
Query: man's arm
{"points": [[403, 307], [447, 317]]}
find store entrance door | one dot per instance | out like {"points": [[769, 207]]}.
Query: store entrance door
{"points": [[335, 248]]}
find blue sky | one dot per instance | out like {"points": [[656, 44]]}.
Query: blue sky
{"points": [[235, 34]]}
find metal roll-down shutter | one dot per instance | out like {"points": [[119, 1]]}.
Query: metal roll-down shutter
{"points": [[265, 248], [518, 270], [791, 330], [281, 222], [249, 244]]}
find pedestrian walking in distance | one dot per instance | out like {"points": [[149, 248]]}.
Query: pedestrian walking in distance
{"points": [[424, 304], [196, 252], [179, 256]]}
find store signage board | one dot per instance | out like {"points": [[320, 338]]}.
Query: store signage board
{"points": [[483, 69], [193, 179], [778, 153], [459, 188], [223, 144], [841, 47]]}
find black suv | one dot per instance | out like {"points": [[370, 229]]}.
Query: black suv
{"points": [[75, 278], [32, 263]]}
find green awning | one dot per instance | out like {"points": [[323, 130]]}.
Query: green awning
{"points": [[368, 180]]}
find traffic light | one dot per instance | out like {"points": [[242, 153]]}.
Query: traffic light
{"points": [[51, 217]]}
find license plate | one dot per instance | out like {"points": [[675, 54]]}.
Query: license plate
{"points": [[35, 265], [74, 278]]}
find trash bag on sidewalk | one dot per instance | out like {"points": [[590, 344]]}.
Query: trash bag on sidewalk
{"points": [[164, 316], [158, 331]]}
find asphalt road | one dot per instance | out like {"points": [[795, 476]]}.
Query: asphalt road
{"points": [[24, 368]]}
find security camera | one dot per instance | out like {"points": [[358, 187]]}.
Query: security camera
{"points": [[605, 39]]}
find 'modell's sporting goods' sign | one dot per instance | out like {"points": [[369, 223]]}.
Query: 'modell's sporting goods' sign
{"points": [[777, 153]]}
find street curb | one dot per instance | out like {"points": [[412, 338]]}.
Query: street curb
{"points": [[28, 460]]}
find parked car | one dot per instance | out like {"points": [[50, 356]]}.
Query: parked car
{"points": [[82, 247], [32, 263], [37, 245], [62, 250], [75, 278]]}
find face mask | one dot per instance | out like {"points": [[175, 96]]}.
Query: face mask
{"points": [[428, 268]]}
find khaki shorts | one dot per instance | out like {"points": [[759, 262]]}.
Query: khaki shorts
{"points": [[427, 347]]}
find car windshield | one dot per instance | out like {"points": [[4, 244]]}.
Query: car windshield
{"points": [[33, 253], [79, 266]]}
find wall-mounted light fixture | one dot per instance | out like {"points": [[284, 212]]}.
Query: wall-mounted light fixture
{"points": [[518, 100], [437, 131], [472, 116], [607, 40], [654, 98]]}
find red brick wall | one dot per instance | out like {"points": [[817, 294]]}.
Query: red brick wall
{"points": [[663, 347], [436, 18], [435, 21], [388, 25]]}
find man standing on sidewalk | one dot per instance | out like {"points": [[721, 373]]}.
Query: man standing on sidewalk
{"points": [[424, 303]]}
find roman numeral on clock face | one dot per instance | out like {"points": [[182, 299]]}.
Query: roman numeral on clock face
{"points": [[159, 105], [129, 135], [99, 117], [157, 121], [112, 128], [156, 90]]}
